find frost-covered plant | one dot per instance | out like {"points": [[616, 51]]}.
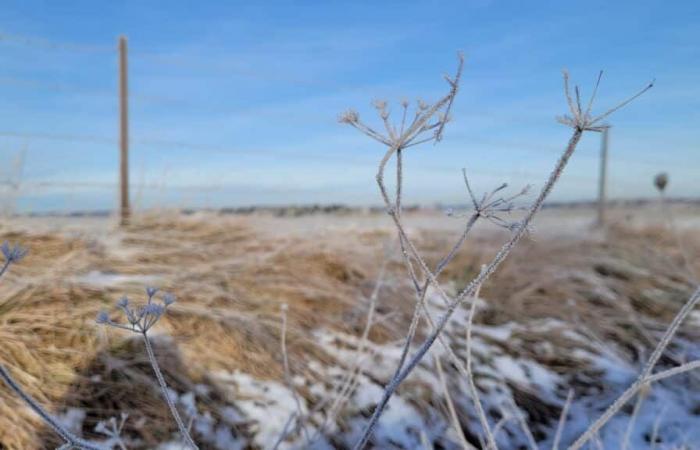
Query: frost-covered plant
{"points": [[428, 125], [647, 377], [296, 419], [12, 255], [112, 428], [140, 320]]}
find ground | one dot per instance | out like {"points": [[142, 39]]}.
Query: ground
{"points": [[575, 308]]}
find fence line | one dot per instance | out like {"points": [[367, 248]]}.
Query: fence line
{"points": [[158, 59], [146, 142], [184, 145], [48, 44]]}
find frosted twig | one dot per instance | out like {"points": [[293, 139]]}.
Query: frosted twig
{"points": [[289, 382], [12, 255], [627, 395], [454, 418], [486, 208], [582, 120], [425, 442], [622, 104], [523, 424], [422, 291], [71, 439], [113, 429], [655, 430], [500, 424], [285, 431], [633, 418], [645, 376], [579, 125], [466, 372], [351, 381], [164, 389], [562, 419], [471, 383], [140, 321], [593, 95], [453, 93], [471, 288]]}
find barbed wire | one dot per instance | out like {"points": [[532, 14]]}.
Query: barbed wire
{"points": [[50, 44], [189, 146], [72, 89], [146, 142], [163, 59]]}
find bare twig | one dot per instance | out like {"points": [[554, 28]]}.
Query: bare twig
{"points": [[71, 439], [562, 419], [299, 414], [523, 425], [166, 394], [140, 320], [645, 377], [454, 418], [579, 123], [633, 418]]}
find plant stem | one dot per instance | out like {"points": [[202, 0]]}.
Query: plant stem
{"points": [[390, 389], [51, 421], [164, 388]]}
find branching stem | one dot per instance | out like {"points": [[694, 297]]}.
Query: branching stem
{"points": [[164, 389]]}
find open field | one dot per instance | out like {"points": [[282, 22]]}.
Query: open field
{"points": [[573, 308]]}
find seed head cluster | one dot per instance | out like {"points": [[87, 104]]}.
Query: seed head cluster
{"points": [[140, 319]]}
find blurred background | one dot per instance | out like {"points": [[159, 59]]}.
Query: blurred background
{"points": [[234, 104], [289, 323]]}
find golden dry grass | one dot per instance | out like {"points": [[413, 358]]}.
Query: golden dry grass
{"points": [[231, 281]]}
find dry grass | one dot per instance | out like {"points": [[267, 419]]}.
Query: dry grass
{"points": [[230, 282]]}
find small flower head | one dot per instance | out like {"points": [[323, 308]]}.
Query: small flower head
{"points": [[154, 310], [350, 117], [380, 105], [112, 428], [492, 207], [12, 254], [123, 302], [102, 317], [168, 299], [140, 319], [149, 315], [580, 117]]}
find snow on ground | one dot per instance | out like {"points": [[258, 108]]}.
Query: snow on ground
{"points": [[100, 279], [669, 416], [670, 413]]}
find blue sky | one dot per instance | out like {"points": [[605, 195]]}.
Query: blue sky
{"points": [[236, 103]]}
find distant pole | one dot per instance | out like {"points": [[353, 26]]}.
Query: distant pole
{"points": [[125, 210], [602, 180]]}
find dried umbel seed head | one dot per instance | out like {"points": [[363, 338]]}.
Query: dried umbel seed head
{"points": [[102, 317], [661, 181], [12, 254], [140, 318], [350, 116]]}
